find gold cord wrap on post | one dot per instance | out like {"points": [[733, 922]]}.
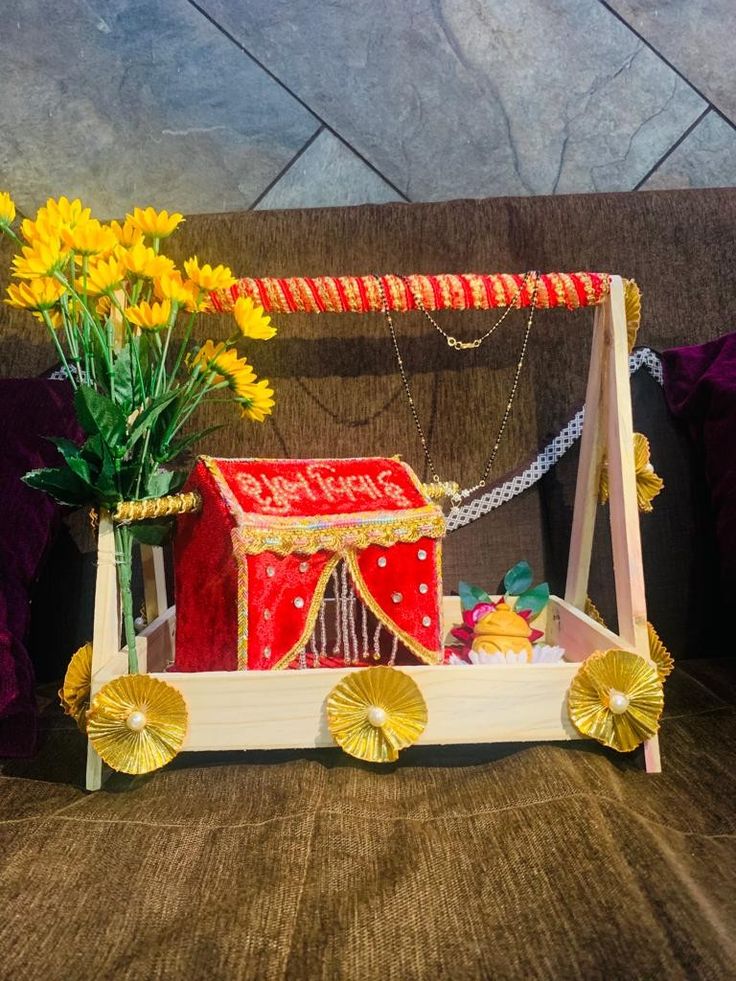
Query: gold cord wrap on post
{"points": [[156, 507]]}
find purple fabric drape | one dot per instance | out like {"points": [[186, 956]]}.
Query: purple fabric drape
{"points": [[700, 386], [31, 409]]}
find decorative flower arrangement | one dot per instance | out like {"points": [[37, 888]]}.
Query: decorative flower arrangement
{"points": [[616, 697], [375, 712], [648, 483], [499, 631], [120, 316]]}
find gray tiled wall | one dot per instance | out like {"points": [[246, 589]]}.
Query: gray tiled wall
{"points": [[221, 105]]}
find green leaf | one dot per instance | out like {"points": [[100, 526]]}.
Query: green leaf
{"points": [[533, 600], [152, 534], [60, 483], [159, 483], [73, 457], [470, 596], [126, 380], [518, 579], [99, 415], [146, 419]]}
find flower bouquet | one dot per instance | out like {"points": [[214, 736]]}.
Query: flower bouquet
{"points": [[120, 316]]}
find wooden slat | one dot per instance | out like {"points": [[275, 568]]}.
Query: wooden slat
{"points": [[592, 448]]}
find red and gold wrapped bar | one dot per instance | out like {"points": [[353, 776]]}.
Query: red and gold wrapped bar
{"points": [[445, 291]]}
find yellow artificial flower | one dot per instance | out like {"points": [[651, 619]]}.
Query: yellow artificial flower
{"points": [[252, 320], [141, 260], [256, 400], [89, 238], [54, 316], [104, 276], [103, 306], [155, 224], [7, 209], [172, 287], [227, 366], [127, 234], [42, 293], [43, 259], [149, 316], [63, 212], [208, 277]]}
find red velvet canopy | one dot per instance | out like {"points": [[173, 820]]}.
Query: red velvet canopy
{"points": [[252, 568]]}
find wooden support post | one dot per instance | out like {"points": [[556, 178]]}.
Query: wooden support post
{"points": [[154, 581], [628, 566], [592, 448], [106, 631]]}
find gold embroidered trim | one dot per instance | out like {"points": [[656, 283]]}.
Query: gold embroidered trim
{"points": [[333, 533], [241, 560], [422, 652]]}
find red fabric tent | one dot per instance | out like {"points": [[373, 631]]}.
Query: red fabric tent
{"points": [[252, 568]]}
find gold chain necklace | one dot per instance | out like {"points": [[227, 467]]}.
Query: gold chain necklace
{"points": [[455, 342], [450, 488]]}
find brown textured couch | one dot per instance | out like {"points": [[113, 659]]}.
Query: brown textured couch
{"points": [[538, 861]]}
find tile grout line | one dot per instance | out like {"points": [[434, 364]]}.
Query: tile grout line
{"points": [[671, 150], [284, 170], [614, 13], [324, 124]]}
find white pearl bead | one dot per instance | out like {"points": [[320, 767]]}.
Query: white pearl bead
{"points": [[136, 721], [298, 602], [421, 555], [270, 570], [396, 597], [377, 716], [303, 566], [426, 621], [266, 652], [618, 702], [381, 562], [423, 587]]}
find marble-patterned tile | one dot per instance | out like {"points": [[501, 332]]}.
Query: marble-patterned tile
{"points": [[705, 158], [469, 99], [137, 103], [327, 174], [697, 38]]}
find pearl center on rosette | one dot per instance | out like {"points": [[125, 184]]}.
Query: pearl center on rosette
{"points": [[377, 716], [136, 721], [618, 702]]}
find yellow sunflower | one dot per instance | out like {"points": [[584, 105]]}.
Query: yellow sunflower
{"points": [[89, 238], [104, 276], [227, 366], [127, 234], [63, 212], [155, 224], [256, 400], [616, 697], [208, 277], [149, 316], [648, 483], [137, 723], [375, 712], [7, 209], [172, 287], [43, 293], [142, 261], [42, 259], [252, 320]]}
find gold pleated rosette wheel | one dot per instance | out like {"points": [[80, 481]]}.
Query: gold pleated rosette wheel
{"points": [[137, 723], [617, 698], [74, 692], [374, 713]]}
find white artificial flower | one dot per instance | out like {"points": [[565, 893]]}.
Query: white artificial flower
{"points": [[541, 654]]}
